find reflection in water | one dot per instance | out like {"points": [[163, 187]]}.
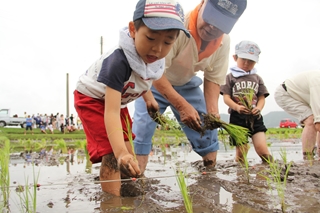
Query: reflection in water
{"points": [[111, 203], [88, 165]]}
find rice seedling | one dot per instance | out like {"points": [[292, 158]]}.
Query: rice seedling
{"points": [[245, 98], [159, 118], [283, 155], [309, 156], [28, 194], [61, 145], [5, 175], [162, 143], [223, 138], [277, 177], [237, 133], [180, 177], [244, 147]]}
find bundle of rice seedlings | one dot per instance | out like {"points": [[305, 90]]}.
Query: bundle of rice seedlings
{"points": [[245, 98], [158, 117], [237, 133]]}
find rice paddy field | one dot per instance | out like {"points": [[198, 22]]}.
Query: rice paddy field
{"points": [[64, 180]]}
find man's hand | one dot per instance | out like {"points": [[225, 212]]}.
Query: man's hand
{"points": [[128, 165], [190, 117]]}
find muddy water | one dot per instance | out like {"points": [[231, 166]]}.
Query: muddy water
{"points": [[70, 187]]}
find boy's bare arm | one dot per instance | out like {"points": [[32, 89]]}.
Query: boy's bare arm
{"points": [[260, 104], [151, 103], [115, 131]]}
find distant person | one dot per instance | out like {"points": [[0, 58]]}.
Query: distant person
{"points": [[119, 77], [79, 123], [44, 119], [57, 123], [298, 95], [61, 123], [29, 122], [71, 119], [34, 124], [70, 128], [50, 127], [38, 120], [245, 93], [43, 127]]}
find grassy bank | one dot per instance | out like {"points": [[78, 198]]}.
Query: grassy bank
{"points": [[17, 137]]}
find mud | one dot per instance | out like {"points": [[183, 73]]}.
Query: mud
{"points": [[66, 186]]}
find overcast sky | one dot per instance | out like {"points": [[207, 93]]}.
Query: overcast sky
{"points": [[41, 41]]}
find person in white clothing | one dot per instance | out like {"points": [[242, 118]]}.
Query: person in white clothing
{"points": [[298, 95]]}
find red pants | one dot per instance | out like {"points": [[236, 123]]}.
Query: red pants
{"points": [[91, 113]]}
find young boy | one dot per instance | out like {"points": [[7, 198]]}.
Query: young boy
{"points": [[120, 76], [244, 87]]}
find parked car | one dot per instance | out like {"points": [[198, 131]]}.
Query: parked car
{"points": [[7, 120], [288, 123]]}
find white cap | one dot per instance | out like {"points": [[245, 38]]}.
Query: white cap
{"points": [[248, 50]]}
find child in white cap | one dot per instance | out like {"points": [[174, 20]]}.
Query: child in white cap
{"points": [[245, 93], [119, 77]]}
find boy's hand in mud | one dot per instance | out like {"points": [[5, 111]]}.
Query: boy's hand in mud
{"points": [[129, 166]]}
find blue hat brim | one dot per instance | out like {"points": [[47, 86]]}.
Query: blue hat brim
{"points": [[162, 23], [214, 17], [217, 18]]}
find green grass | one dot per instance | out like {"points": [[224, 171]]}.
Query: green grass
{"points": [[244, 161], [4, 176], [18, 133], [38, 139], [283, 133]]}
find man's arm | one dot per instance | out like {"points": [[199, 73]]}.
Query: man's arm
{"points": [[189, 116], [211, 95]]}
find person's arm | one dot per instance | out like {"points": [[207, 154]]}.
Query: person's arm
{"points": [[188, 115], [260, 105], [211, 94], [151, 103], [234, 106], [115, 132], [314, 100]]}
